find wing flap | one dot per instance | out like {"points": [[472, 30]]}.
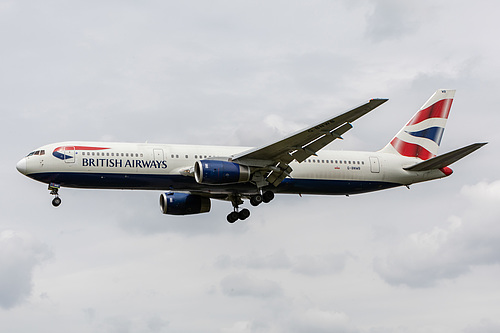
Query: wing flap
{"points": [[444, 160], [312, 148]]}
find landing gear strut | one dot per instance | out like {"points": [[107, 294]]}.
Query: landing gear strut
{"points": [[243, 214], [237, 214], [54, 190]]}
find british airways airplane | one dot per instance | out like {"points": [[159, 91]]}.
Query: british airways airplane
{"points": [[191, 175]]}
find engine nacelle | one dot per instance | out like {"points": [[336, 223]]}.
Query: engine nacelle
{"points": [[183, 203], [220, 172]]}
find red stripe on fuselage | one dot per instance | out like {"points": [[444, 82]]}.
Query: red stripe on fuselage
{"points": [[89, 148], [440, 109], [79, 148], [411, 149]]}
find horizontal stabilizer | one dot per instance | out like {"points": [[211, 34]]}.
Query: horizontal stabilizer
{"points": [[444, 160]]}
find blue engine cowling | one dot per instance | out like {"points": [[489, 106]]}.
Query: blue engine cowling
{"points": [[220, 172], [183, 203]]}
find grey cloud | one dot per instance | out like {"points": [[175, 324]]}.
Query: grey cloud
{"points": [[391, 19], [157, 324], [312, 265], [243, 285], [319, 321], [20, 253], [484, 326], [276, 260], [320, 265]]}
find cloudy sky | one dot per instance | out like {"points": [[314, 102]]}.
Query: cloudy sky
{"points": [[247, 73]]}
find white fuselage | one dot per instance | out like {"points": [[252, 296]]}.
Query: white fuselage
{"points": [[167, 167]]}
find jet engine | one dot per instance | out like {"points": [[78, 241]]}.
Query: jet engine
{"points": [[183, 203], [220, 172]]}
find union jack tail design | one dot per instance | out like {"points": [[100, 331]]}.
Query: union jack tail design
{"points": [[421, 136]]}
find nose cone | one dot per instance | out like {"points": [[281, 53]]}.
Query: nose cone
{"points": [[21, 166]]}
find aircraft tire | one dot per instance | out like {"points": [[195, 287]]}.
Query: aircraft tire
{"points": [[267, 196], [56, 202], [256, 200], [244, 214], [232, 217]]}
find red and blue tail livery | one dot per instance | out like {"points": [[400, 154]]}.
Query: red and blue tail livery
{"points": [[421, 136], [190, 176]]}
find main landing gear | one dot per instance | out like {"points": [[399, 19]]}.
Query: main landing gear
{"points": [[243, 214], [54, 190]]}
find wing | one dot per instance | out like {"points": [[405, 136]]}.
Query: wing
{"points": [[301, 145]]}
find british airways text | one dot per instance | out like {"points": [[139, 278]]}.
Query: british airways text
{"points": [[116, 163]]}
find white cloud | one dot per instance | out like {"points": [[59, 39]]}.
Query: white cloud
{"points": [[446, 252], [318, 321]]}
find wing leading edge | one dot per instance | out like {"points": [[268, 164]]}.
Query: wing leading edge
{"points": [[300, 145]]}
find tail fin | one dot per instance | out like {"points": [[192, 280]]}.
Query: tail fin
{"points": [[421, 136]]}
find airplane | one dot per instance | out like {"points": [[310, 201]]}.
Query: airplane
{"points": [[191, 175]]}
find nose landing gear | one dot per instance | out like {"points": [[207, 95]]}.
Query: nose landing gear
{"points": [[54, 190]]}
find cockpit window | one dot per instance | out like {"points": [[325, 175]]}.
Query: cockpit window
{"points": [[38, 152]]}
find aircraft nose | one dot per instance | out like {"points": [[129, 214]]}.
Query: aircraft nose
{"points": [[21, 166]]}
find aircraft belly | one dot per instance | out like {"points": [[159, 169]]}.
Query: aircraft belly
{"points": [[332, 187], [183, 183]]}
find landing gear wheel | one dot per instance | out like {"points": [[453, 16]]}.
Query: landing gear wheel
{"points": [[56, 202], [267, 196], [244, 214], [256, 200], [233, 217]]}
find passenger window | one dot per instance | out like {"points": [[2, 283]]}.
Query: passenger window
{"points": [[187, 156]]}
